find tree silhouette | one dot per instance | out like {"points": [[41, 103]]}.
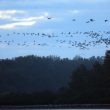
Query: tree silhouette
{"points": [[90, 86], [107, 62], [37, 80]]}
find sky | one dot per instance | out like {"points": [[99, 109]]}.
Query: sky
{"points": [[18, 17]]}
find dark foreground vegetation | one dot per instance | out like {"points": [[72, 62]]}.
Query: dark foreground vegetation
{"points": [[35, 80]]}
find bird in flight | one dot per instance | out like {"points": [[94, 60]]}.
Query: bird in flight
{"points": [[49, 17], [92, 20], [73, 19], [106, 20], [88, 22]]}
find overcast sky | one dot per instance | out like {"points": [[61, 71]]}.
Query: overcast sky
{"points": [[31, 16]]}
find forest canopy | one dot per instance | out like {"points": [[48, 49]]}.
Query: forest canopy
{"points": [[51, 80]]}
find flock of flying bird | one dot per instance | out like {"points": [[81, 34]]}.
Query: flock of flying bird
{"points": [[92, 20], [63, 39], [89, 21]]}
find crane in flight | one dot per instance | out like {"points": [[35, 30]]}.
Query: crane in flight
{"points": [[92, 20], [106, 20]]}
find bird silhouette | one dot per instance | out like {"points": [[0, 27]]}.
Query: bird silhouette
{"points": [[106, 20], [73, 19], [87, 21], [92, 20], [49, 18]]}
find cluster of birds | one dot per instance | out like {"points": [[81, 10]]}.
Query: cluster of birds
{"points": [[89, 21], [95, 38], [92, 20], [63, 39]]}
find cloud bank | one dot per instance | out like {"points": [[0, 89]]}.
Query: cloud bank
{"points": [[11, 15]]}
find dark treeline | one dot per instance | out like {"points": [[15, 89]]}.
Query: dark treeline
{"points": [[89, 86], [33, 73], [51, 80]]}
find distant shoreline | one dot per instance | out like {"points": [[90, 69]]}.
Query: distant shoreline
{"points": [[60, 106]]}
